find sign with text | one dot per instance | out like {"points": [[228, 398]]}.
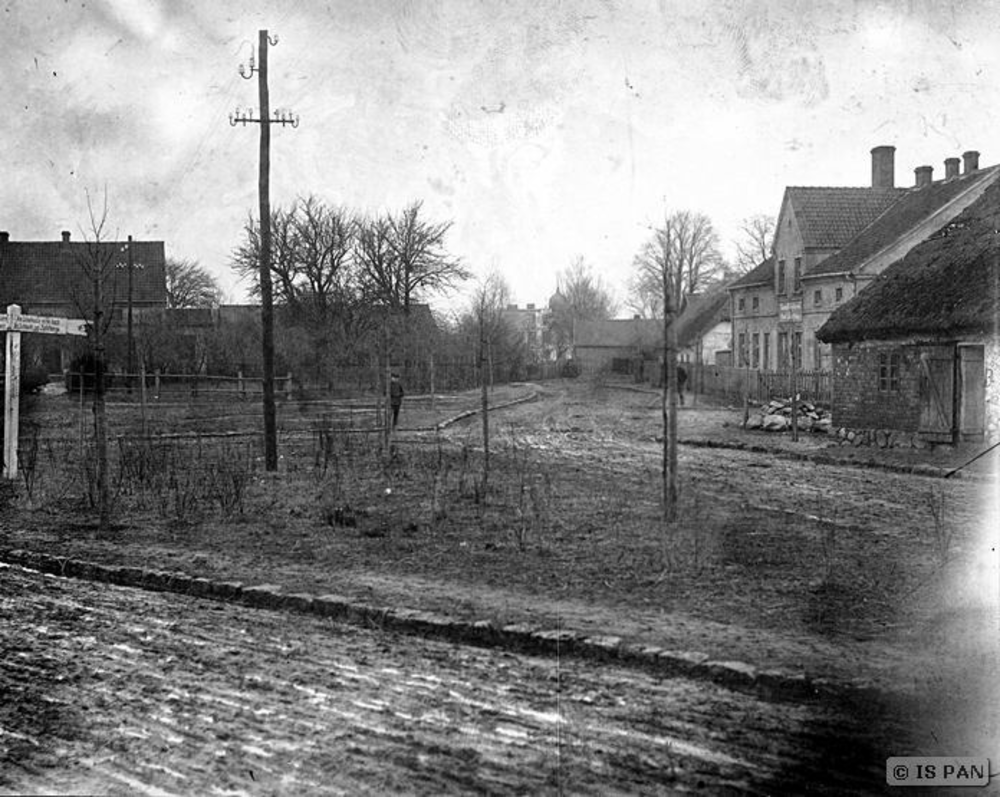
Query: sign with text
{"points": [[43, 323], [13, 324]]}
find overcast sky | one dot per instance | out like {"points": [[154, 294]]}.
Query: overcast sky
{"points": [[544, 130]]}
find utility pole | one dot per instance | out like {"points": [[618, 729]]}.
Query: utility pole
{"points": [[130, 264], [281, 117]]}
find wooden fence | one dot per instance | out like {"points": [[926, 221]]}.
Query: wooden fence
{"points": [[732, 384]]}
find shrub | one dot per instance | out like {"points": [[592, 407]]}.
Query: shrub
{"points": [[569, 370]]}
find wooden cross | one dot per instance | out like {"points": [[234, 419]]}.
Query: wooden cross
{"points": [[14, 324]]}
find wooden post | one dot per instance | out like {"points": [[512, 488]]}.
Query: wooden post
{"points": [[12, 394], [156, 384], [142, 395], [14, 323], [433, 397], [240, 386], [288, 386]]}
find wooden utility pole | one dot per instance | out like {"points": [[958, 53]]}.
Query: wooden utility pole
{"points": [[670, 491], [266, 294]]}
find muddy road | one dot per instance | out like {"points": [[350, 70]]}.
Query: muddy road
{"points": [[114, 690]]}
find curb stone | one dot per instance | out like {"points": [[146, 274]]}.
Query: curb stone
{"points": [[771, 684]]}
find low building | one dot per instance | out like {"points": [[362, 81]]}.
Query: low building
{"points": [[917, 352], [618, 345], [704, 328]]}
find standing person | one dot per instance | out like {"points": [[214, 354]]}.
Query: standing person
{"points": [[395, 398], [682, 378]]}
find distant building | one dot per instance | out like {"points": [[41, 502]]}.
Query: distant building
{"points": [[830, 242], [616, 344], [50, 278], [704, 328], [528, 324]]}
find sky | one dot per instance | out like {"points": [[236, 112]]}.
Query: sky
{"points": [[543, 131]]}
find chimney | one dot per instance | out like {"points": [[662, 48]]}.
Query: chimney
{"points": [[971, 159], [950, 168], [4, 237], [65, 235], [883, 167], [925, 175]]}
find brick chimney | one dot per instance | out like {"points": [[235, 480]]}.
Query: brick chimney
{"points": [[925, 176], [950, 168], [65, 236], [4, 237], [971, 159], [883, 167]]}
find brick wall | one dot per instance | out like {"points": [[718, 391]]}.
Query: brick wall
{"points": [[857, 400]]}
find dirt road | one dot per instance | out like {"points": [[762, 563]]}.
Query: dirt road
{"points": [[114, 690]]}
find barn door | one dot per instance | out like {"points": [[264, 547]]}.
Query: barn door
{"points": [[972, 392], [937, 394]]}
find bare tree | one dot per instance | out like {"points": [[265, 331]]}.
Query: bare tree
{"points": [[755, 242], [312, 247], [680, 257], [580, 296], [97, 263], [190, 285], [489, 301], [403, 257]]}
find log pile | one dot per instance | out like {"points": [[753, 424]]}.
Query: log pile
{"points": [[776, 416]]}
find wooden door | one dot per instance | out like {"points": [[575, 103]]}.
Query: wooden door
{"points": [[937, 394], [971, 392]]}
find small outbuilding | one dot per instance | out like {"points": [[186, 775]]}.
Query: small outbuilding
{"points": [[917, 352]]}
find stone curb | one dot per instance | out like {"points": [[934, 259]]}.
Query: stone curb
{"points": [[918, 469], [469, 413], [772, 684]]}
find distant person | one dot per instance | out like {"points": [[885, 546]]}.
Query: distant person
{"points": [[682, 378], [395, 398]]}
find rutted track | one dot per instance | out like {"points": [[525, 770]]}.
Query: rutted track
{"points": [[111, 689]]}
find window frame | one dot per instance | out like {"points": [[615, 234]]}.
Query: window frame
{"points": [[889, 364]]}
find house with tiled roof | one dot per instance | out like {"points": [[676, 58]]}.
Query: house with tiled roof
{"points": [[50, 278], [916, 352], [830, 242]]}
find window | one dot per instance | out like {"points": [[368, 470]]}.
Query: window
{"points": [[817, 298], [840, 294], [741, 349], [756, 303], [797, 276], [797, 350], [766, 362], [888, 372], [756, 350], [782, 349], [781, 277], [741, 304], [817, 354]]}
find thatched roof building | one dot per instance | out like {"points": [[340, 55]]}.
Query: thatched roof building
{"points": [[947, 285]]}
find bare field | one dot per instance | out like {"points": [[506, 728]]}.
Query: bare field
{"points": [[834, 570]]}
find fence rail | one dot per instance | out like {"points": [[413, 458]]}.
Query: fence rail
{"points": [[733, 384]]}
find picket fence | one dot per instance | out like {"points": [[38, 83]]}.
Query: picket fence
{"points": [[732, 384]]}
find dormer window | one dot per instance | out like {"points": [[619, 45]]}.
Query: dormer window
{"points": [[797, 276], [781, 277]]}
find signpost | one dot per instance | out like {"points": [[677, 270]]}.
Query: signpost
{"points": [[13, 323]]}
